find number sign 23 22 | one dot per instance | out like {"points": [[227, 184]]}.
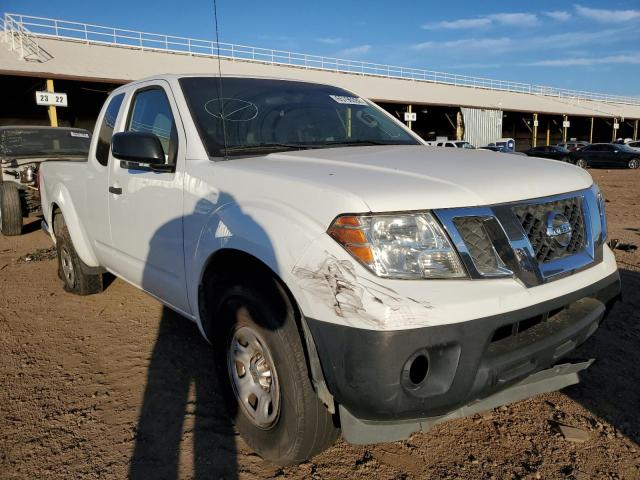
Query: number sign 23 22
{"points": [[51, 98]]}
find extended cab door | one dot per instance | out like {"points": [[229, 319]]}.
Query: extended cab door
{"points": [[145, 207]]}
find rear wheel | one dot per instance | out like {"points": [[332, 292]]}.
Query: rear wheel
{"points": [[71, 269], [634, 163], [10, 209], [581, 162], [262, 366]]}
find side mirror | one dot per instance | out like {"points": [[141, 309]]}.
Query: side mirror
{"points": [[140, 151]]}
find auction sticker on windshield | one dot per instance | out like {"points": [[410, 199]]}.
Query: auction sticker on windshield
{"points": [[348, 100]]}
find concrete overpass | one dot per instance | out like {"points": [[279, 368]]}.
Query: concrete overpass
{"points": [[55, 49]]}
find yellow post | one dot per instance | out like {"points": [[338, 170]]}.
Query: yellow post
{"points": [[564, 129], [548, 132], [591, 132], [409, 123], [535, 130], [53, 114]]}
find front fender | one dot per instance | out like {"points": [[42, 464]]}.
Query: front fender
{"points": [[61, 197], [278, 239]]}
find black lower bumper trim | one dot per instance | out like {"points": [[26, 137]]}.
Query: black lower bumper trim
{"points": [[367, 371]]}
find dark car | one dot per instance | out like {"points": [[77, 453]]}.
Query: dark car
{"points": [[573, 146], [552, 151], [606, 155], [22, 150]]}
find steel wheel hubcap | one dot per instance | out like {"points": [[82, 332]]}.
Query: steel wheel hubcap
{"points": [[67, 267], [253, 375]]}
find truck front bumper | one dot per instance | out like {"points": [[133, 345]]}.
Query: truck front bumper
{"points": [[389, 384]]}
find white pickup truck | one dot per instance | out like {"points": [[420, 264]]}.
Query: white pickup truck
{"points": [[348, 278]]}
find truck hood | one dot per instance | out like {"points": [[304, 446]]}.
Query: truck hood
{"points": [[396, 178]]}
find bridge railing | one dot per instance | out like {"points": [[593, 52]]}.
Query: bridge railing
{"points": [[21, 40], [98, 34]]}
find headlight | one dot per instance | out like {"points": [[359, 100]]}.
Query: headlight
{"points": [[411, 245], [601, 211]]}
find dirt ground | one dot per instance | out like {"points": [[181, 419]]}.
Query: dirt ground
{"points": [[114, 385]]}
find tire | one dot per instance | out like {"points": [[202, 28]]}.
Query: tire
{"points": [[256, 332], [10, 209], [71, 269], [581, 162], [634, 163]]}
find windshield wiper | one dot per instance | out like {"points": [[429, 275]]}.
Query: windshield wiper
{"points": [[356, 143], [266, 147]]}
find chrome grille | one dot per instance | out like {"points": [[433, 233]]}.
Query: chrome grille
{"points": [[529, 239], [477, 240], [533, 218]]}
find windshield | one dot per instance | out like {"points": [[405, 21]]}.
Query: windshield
{"points": [[275, 115], [34, 142]]}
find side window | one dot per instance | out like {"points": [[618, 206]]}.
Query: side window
{"points": [[449, 144], [151, 113], [106, 129]]}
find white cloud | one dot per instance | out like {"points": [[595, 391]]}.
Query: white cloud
{"points": [[330, 40], [462, 45], [607, 16], [354, 51], [499, 45], [460, 24], [559, 15], [511, 19], [633, 59], [515, 19]]}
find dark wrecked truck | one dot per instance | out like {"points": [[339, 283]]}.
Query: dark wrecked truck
{"points": [[22, 150], [349, 278]]}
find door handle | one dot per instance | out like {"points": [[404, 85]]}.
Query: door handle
{"points": [[115, 190]]}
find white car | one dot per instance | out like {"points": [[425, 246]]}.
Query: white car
{"points": [[451, 144], [348, 278]]}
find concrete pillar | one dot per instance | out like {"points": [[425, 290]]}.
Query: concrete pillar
{"points": [[635, 129], [459, 126], [53, 114], [614, 130], [534, 133], [565, 119]]}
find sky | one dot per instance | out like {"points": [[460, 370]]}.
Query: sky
{"points": [[588, 45]]}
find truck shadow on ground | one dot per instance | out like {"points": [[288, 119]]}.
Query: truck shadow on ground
{"points": [[183, 401], [610, 388], [182, 406]]}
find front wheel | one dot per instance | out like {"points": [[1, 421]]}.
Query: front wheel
{"points": [[10, 209], [262, 366], [581, 162], [71, 269], [634, 163]]}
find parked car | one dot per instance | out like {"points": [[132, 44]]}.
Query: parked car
{"points": [[634, 144], [22, 150], [450, 144], [573, 146], [552, 151], [253, 216], [606, 155]]}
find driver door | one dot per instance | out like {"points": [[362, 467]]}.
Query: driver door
{"points": [[145, 207]]}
